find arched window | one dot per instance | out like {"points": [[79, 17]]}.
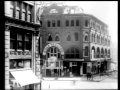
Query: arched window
{"points": [[53, 51], [49, 38], [105, 52], [86, 37], [57, 38], [68, 38], [98, 52], [86, 52]]}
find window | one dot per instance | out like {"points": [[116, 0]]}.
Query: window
{"points": [[68, 38], [67, 23], [76, 36], [57, 38], [20, 40], [48, 23], [58, 23], [98, 53], [53, 51], [13, 38], [29, 16], [53, 23], [50, 38], [86, 51], [86, 37], [18, 10], [28, 41], [72, 22], [12, 8], [77, 22], [20, 63], [72, 53], [86, 23], [24, 11]]}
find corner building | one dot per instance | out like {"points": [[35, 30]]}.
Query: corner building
{"points": [[21, 46], [78, 40]]}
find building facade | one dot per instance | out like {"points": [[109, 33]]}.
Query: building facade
{"points": [[79, 41], [21, 45]]}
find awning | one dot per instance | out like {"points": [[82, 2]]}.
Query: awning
{"points": [[25, 77]]}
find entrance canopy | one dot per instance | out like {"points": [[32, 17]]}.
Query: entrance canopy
{"points": [[25, 77]]}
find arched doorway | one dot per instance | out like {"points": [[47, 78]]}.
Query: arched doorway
{"points": [[53, 68]]}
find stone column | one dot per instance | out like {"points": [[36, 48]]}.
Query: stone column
{"points": [[7, 47], [37, 60]]}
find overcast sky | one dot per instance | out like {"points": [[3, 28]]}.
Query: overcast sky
{"points": [[106, 11]]}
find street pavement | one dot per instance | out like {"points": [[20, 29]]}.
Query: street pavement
{"points": [[104, 82]]}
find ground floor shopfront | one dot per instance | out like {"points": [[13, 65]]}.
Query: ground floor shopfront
{"points": [[65, 68], [62, 67]]}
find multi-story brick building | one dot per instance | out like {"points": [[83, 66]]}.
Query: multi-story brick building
{"points": [[21, 45], [78, 40]]}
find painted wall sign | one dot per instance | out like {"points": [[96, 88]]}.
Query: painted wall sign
{"points": [[55, 45]]}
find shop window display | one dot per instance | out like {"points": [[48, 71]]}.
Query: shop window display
{"points": [[20, 63]]}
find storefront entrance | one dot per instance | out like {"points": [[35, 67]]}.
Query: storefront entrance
{"points": [[54, 69]]}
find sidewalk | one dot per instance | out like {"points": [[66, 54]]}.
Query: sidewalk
{"points": [[96, 78], [61, 78]]}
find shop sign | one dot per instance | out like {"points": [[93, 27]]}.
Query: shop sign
{"points": [[20, 53], [53, 44]]}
